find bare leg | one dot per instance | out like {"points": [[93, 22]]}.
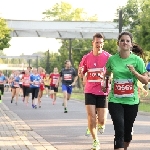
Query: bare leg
{"points": [[92, 120], [17, 94], [54, 98], [102, 115], [13, 92], [65, 98]]}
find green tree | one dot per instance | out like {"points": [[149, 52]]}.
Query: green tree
{"points": [[65, 12], [4, 34], [136, 18]]}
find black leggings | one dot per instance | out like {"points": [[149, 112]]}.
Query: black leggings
{"points": [[26, 91], [123, 117], [35, 92]]}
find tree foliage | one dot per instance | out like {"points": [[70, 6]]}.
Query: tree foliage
{"points": [[136, 19], [4, 34], [65, 12]]}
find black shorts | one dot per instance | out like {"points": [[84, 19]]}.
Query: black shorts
{"points": [[20, 85], [47, 86], [100, 101], [54, 88], [2, 89]]}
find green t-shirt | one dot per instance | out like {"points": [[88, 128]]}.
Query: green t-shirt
{"points": [[121, 73]]}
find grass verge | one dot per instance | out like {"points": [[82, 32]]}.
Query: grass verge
{"points": [[145, 107]]}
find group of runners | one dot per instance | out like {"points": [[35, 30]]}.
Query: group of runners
{"points": [[111, 83]]}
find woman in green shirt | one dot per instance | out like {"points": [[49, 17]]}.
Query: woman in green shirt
{"points": [[127, 69]]}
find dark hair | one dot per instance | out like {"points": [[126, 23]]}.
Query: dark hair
{"points": [[125, 33], [67, 61], [29, 67], [136, 49], [98, 35]]}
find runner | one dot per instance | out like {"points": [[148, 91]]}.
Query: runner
{"points": [[15, 86], [47, 84], [54, 77], [41, 72], [68, 77], [138, 51], [127, 69], [2, 82], [35, 86], [26, 86], [20, 84], [95, 99]]}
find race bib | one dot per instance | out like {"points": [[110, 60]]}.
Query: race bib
{"points": [[1, 82], [36, 82], [68, 77], [123, 88], [95, 75], [16, 84], [26, 83]]}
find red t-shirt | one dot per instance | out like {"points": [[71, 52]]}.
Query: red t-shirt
{"points": [[26, 80], [42, 75], [54, 78]]}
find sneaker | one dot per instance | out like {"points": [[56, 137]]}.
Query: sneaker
{"points": [[132, 131], [23, 99], [35, 107], [65, 110], [12, 100], [62, 104], [87, 133], [16, 103], [46, 95], [39, 106], [101, 128], [32, 105], [96, 145], [0, 101]]}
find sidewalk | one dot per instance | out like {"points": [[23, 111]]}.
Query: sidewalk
{"points": [[16, 135]]}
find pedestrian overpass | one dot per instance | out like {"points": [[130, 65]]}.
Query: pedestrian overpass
{"points": [[63, 29], [13, 66]]}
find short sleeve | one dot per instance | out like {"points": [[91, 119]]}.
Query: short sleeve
{"points": [[83, 64], [61, 73], [140, 68], [108, 65], [74, 72]]}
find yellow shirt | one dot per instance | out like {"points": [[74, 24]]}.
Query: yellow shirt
{"points": [[47, 81]]}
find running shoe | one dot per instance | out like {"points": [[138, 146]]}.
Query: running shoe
{"points": [[39, 106], [46, 95], [16, 103], [0, 101], [12, 100], [87, 133], [32, 105], [62, 104], [101, 128], [96, 145], [132, 131], [65, 110], [35, 107]]}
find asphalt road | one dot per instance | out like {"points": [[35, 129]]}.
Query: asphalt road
{"points": [[66, 131]]}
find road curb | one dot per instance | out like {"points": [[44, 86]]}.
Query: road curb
{"points": [[31, 139]]}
